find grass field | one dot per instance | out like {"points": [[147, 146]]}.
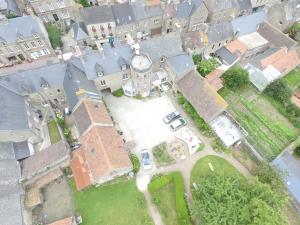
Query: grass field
{"points": [[114, 204], [268, 131], [201, 169], [53, 132], [293, 79], [161, 156], [166, 204]]}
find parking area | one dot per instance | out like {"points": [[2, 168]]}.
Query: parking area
{"points": [[142, 120]]}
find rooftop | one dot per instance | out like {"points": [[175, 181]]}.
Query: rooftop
{"points": [[253, 40], [141, 62], [123, 14], [219, 32], [97, 14], [181, 64]]}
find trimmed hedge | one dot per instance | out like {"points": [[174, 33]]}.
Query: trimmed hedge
{"points": [[159, 182], [135, 163]]}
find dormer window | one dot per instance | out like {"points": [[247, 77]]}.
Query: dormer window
{"points": [[109, 26], [124, 67], [100, 74], [102, 28]]}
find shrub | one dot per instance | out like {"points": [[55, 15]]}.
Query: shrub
{"points": [[181, 205], [204, 67], [118, 93], [236, 78], [278, 90], [84, 3], [54, 35], [293, 30], [297, 151], [135, 163]]}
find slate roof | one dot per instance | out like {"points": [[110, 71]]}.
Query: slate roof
{"points": [[181, 64], [37, 163], [98, 14], [25, 26], [186, 8], [167, 46], [80, 32], [11, 210], [10, 5], [275, 36], [204, 98], [109, 60], [226, 56], [244, 5], [219, 32], [142, 11], [13, 114], [21, 150], [123, 14], [219, 5], [248, 24]]}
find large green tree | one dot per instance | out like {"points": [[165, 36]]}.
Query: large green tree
{"points": [[236, 78], [279, 90], [204, 67], [225, 200]]}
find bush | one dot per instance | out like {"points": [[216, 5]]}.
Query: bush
{"points": [[181, 205], [297, 151], [118, 93], [84, 3], [279, 90], [135, 163], [236, 78], [293, 30], [54, 35]]}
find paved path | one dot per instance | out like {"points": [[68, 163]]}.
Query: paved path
{"points": [[185, 167]]}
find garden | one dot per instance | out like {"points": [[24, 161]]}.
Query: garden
{"points": [[116, 203], [53, 132], [161, 155]]}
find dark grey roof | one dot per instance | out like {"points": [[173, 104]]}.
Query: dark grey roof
{"points": [[21, 150], [219, 5], [248, 24], [108, 60], [82, 124], [75, 80], [80, 32], [275, 36], [25, 25], [226, 56], [288, 163], [219, 32], [11, 210], [13, 114], [163, 46], [98, 14], [256, 60], [244, 5], [141, 11], [123, 14], [187, 7], [181, 64]]}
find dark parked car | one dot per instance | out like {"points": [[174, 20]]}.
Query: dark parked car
{"points": [[172, 116]]}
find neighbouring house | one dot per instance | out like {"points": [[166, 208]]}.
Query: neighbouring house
{"points": [[194, 42], [42, 163], [102, 156], [226, 57], [11, 192], [23, 39], [100, 22], [221, 10], [214, 78], [59, 12], [10, 8], [271, 65], [203, 97]]}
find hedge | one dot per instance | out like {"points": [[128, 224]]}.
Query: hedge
{"points": [[181, 205], [135, 163], [118, 93]]}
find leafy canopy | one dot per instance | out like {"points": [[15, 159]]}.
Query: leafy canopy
{"points": [[225, 200], [279, 90], [236, 78]]}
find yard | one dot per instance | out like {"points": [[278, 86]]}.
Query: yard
{"points": [[161, 155], [53, 132], [268, 131], [112, 204], [220, 166], [293, 79]]}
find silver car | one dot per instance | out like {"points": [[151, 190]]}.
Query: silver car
{"points": [[171, 116], [177, 124]]}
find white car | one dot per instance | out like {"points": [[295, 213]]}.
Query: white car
{"points": [[146, 160], [177, 124], [171, 116]]}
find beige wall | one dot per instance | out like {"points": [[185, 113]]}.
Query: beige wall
{"points": [[99, 32]]}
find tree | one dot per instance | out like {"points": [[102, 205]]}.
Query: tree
{"points": [[279, 90], [84, 3], [54, 35], [235, 201], [204, 67], [236, 78], [270, 175], [297, 151], [293, 30]]}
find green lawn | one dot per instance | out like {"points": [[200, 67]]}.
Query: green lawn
{"points": [[201, 169], [53, 132], [113, 204], [293, 78], [161, 155], [165, 202]]}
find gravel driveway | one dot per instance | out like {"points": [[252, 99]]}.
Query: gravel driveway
{"points": [[142, 120]]}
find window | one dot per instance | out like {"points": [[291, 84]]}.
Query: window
{"points": [[125, 76], [26, 45], [61, 4], [51, 7], [194, 27], [9, 50], [40, 53], [156, 21], [46, 51], [41, 9], [33, 44], [102, 82], [45, 18], [40, 43], [18, 48]]}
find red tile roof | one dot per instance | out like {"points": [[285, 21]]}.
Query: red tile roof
{"points": [[214, 79], [237, 47], [66, 221]]}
